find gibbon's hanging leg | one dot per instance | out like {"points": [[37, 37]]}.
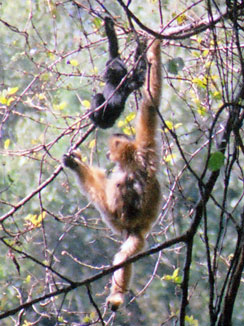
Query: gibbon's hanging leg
{"points": [[122, 277], [114, 99], [129, 199]]}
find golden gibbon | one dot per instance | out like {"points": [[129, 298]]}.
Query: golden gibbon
{"points": [[129, 198]]}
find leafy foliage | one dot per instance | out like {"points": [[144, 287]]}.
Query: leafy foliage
{"points": [[55, 250], [216, 161]]}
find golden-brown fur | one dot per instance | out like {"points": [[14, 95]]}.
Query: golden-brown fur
{"points": [[129, 199]]}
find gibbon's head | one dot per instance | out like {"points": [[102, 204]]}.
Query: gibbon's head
{"points": [[121, 149]]}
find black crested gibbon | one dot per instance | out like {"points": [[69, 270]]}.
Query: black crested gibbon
{"points": [[115, 96], [129, 198]]}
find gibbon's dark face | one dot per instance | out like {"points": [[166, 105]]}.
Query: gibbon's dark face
{"points": [[118, 140], [120, 136]]}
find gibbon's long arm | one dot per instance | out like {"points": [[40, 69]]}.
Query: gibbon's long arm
{"points": [[92, 180], [147, 119], [113, 47]]}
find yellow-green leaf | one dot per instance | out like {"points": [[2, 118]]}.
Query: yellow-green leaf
{"points": [[202, 110], [129, 131], [45, 76], [13, 90], [61, 106], [199, 40], [175, 273], [217, 95], [191, 321], [86, 319], [200, 82], [169, 158], [196, 54], [95, 70], [9, 101], [86, 104], [35, 219], [208, 64], [3, 100], [120, 123], [196, 100], [131, 116], [6, 143], [41, 96], [92, 143], [26, 323], [40, 218], [127, 120], [169, 124], [28, 279], [51, 55], [205, 53], [177, 125], [181, 19], [74, 62], [175, 278], [97, 22]]}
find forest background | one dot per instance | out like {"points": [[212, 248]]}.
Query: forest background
{"points": [[56, 254]]}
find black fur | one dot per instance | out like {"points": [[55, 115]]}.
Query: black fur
{"points": [[116, 70]]}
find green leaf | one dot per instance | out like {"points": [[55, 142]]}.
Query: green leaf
{"points": [[175, 278], [202, 110], [92, 143], [217, 95], [175, 65], [216, 161], [61, 106], [181, 19], [126, 126], [171, 126], [191, 321], [97, 22]]}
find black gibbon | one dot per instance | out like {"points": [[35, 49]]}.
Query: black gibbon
{"points": [[129, 198], [115, 96]]}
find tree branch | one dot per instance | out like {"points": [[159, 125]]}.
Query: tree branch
{"points": [[180, 32], [46, 182]]}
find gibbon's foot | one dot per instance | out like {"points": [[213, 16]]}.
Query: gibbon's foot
{"points": [[115, 300], [72, 160]]}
